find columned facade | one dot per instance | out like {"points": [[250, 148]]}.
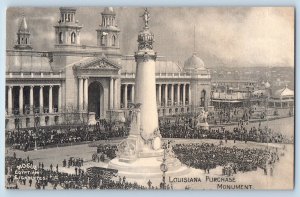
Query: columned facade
{"points": [[172, 98], [31, 104], [62, 87]]}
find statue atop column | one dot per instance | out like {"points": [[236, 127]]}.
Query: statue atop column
{"points": [[146, 17], [144, 138], [141, 152]]}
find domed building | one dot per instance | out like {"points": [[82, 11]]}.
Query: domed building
{"points": [[194, 63], [282, 98], [73, 80], [200, 82]]}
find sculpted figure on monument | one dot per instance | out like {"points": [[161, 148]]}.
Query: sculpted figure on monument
{"points": [[146, 17]]}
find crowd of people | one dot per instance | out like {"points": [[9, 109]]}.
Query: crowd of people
{"points": [[207, 156], [47, 178], [180, 126], [28, 139], [229, 115], [105, 152], [186, 127], [74, 162]]}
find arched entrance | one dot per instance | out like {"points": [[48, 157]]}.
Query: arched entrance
{"points": [[95, 96]]}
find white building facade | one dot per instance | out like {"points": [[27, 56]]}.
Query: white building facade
{"points": [[63, 85]]}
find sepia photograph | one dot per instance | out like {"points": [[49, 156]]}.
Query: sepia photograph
{"points": [[150, 98]]}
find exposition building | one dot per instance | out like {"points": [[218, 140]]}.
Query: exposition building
{"points": [[68, 83]]}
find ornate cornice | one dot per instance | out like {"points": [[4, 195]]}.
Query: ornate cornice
{"points": [[145, 56]]}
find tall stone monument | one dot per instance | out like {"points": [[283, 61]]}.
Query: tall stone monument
{"points": [[140, 155]]}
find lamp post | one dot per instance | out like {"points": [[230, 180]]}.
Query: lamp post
{"points": [[35, 131], [164, 167]]}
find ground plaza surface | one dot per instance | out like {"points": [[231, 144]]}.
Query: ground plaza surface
{"points": [[281, 178]]}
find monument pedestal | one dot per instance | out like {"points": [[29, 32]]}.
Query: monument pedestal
{"points": [[141, 156], [148, 167]]}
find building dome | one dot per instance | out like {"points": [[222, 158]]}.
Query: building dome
{"points": [[108, 10], [194, 62]]}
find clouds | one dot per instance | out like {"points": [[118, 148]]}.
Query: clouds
{"points": [[224, 36]]}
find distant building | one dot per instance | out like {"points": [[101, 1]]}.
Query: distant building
{"points": [[63, 85], [282, 98]]}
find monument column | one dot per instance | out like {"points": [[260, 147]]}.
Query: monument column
{"points": [[21, 100], [142, 151], [9, 100], [145, 85]]}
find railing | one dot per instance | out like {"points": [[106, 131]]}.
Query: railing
{"points": [[27, 111], [33, 75], [170, 75]]}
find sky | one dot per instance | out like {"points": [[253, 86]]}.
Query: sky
{"points": [[224, 36]]}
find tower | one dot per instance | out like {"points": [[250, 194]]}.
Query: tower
{"points": [[141, 156], [23, 36], [108, 33], [67, 32], [145, 59]]}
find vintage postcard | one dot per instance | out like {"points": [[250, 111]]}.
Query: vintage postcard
{"points": [[157, 98]]}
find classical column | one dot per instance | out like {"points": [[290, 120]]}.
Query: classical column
{"points": [[50, 99], [116, 94], [166, 95], [42, 99], [172, 94], [132, 93], [159, 94], [80, 95], [178, 94], [59, 99], [111, 93], [190, 95], [9, 100], [21, 99], [183, 94], [125, 96], [31, 99], [86, 94]]}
